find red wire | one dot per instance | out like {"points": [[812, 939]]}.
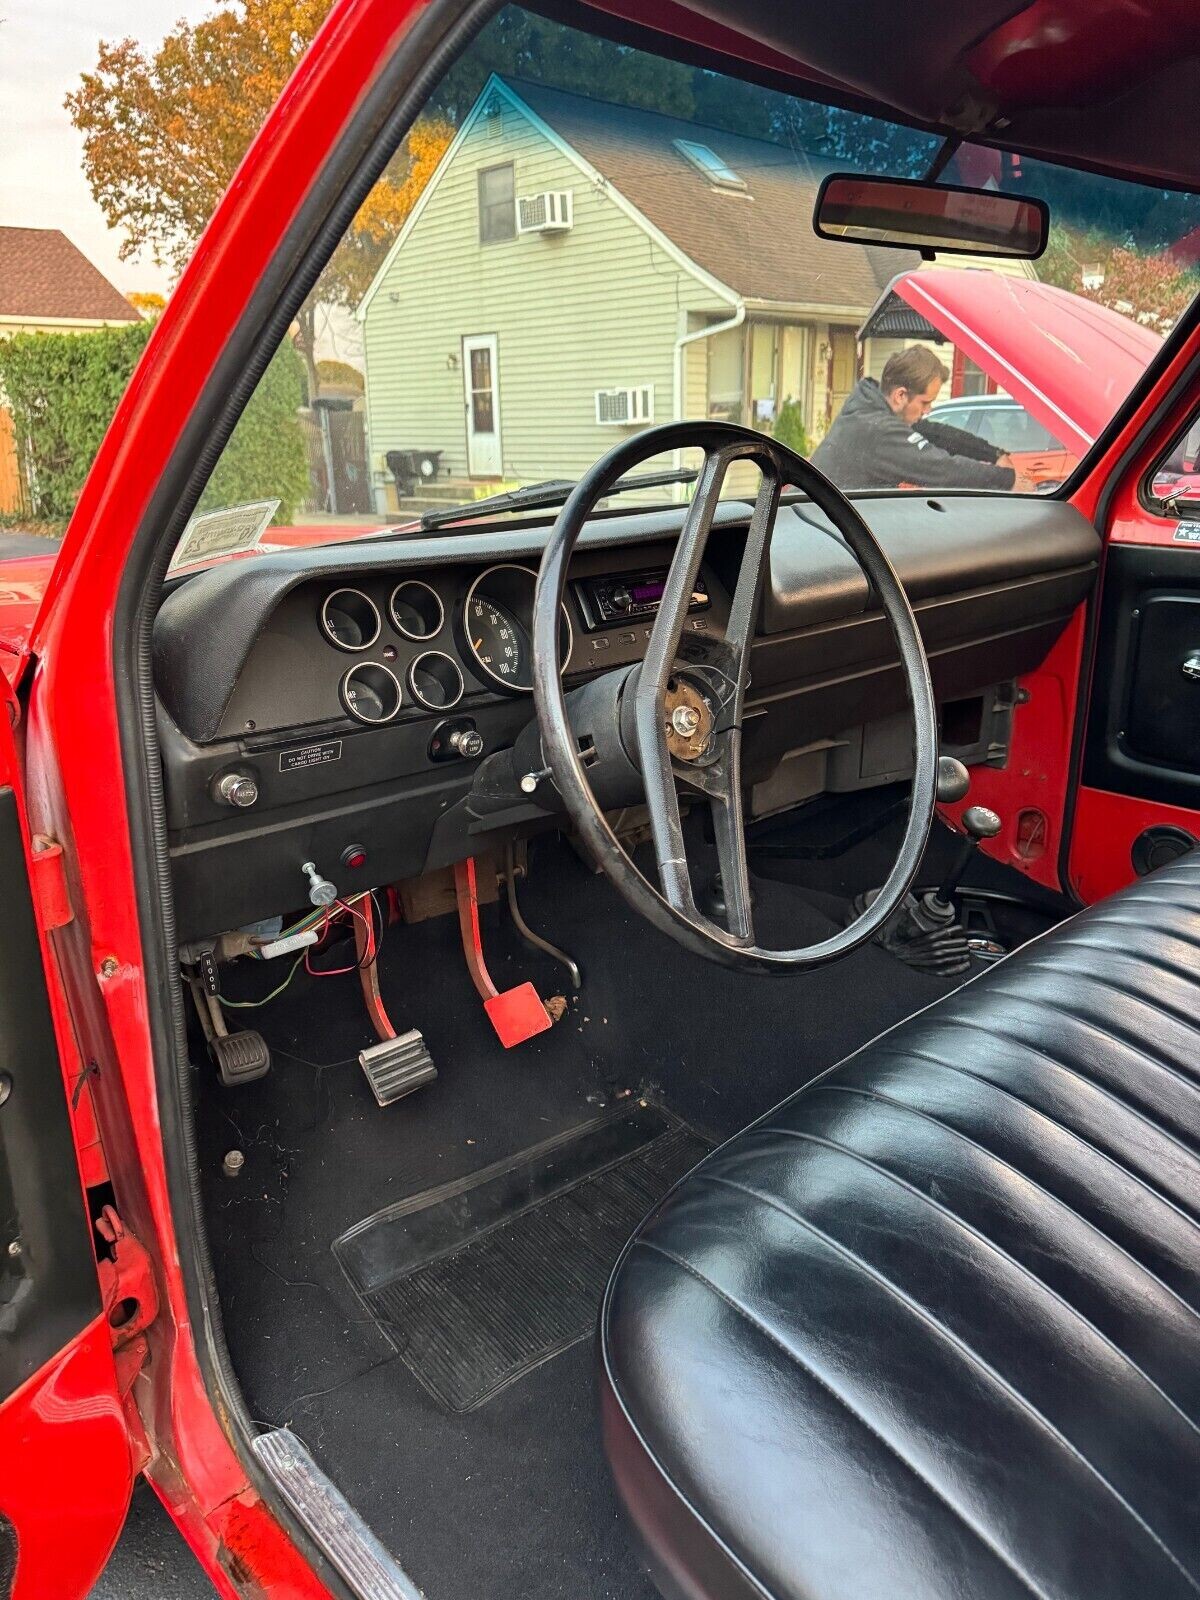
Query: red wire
{"points": [[330, 918]]}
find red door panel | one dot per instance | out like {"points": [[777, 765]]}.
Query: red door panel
{"points": [[65, 1462], [65, 1471]]}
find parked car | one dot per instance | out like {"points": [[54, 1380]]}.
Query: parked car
{"points": [[1004, 422], [489, 1103], [1063, 361]]}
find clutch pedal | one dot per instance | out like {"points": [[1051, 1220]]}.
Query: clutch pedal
{"points": [[395, 1067]]}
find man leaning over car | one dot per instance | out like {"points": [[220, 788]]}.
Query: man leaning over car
{"points": [[881, 438]]}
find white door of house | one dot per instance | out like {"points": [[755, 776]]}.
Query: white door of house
{"points": [[482, 398]]}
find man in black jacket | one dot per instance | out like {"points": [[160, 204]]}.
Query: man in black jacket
{"points": [[881, 438]]}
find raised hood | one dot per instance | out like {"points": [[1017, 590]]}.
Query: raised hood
{"points": [[1068, 361]]}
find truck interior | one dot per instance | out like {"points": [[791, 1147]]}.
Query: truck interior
{"points": [[690, 997]]}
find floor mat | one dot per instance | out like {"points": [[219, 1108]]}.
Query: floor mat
{"points": [[477, 1283]]}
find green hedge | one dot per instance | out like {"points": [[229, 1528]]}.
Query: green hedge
{"points": [[266, 457], [62, 390]]}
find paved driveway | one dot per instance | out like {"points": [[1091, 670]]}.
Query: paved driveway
{"points": [[151, 1561], [15, 543]]}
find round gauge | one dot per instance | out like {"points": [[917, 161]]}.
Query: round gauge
{"points": [[350, 620], [371, 692], [497, 625], [416, 609], [436, 681]]}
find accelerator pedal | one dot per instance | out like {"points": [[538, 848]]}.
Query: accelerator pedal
{"points": [[395, 1067]]}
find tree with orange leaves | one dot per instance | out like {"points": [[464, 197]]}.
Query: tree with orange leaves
{"points": [[164, 131]]}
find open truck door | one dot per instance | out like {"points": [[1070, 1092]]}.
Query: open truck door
{"points": [[65, 1458]]}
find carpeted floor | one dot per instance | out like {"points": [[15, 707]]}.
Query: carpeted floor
{"points": [[512, 1498]]}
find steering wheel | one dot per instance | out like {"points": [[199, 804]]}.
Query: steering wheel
{"points": [[680, 715]]}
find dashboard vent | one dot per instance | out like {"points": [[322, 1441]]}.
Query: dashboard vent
{"points": [[552, 211], [625, 408]]}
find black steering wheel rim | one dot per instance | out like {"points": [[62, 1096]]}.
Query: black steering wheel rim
{"points": [[722, 443]]}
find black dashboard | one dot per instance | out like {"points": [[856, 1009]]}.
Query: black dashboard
{"points": [[335, 704]]}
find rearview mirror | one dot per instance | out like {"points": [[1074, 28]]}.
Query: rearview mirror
{"points": [[930, 216]]}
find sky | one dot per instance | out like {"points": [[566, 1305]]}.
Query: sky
{"points": [[44, 47]]}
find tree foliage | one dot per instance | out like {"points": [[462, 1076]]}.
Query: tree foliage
{"points": [[1150, 287], [165, 129], [789, 428]]}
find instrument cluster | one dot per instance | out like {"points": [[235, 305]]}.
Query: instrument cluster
{"points": [[490, 635]]}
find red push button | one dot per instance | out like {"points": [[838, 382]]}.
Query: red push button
{"points": [[354, 856]]}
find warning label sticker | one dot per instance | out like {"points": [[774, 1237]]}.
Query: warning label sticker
{"points": [[310, 755]]}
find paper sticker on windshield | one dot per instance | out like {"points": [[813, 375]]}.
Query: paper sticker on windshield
{"points": [[223, 533], [1187, 533]]}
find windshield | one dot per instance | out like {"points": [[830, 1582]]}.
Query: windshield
{"points": [[578, 240]]}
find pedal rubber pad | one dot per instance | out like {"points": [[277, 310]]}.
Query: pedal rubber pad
{"points": [[395, 1067], [517, 1014], [241, 1057]]}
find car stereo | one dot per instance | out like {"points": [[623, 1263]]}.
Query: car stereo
{"points": [[607, 600]]}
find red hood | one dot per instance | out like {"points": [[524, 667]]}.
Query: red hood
{"points": [[1068, 361], [22, 583]]}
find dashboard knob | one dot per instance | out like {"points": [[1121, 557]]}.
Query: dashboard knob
{"points": [[466, 742], [320, 891], [236, 789], [620, 599]]}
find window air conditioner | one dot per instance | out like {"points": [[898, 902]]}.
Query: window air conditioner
{"points": [[548, 212], [625, 408]]}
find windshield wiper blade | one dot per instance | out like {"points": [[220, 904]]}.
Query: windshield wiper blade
{"points": [[541, 496]]}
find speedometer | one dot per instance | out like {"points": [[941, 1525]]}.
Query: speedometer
{"points": [[497, 627], [498, 644]]}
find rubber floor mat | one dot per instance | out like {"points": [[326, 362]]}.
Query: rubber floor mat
{"points": [[480, 1281]]}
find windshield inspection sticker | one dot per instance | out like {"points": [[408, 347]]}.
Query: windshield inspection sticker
{"points": [[223, 533], [1187, 533], [310, 755]]}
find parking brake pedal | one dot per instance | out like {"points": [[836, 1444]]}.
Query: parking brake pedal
{"points": [[240, 1057], [395, 1067]]}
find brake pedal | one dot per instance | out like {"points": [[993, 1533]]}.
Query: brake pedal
{"points": [[395, 1067]]}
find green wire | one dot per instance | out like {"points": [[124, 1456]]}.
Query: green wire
{"points": [[248, 1005]]}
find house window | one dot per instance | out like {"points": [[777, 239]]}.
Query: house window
{"points": [[710, 164], [497, 204]]}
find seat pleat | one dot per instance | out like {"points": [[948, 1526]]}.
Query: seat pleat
{"points": [[1092, 1197], [1083, 1065], [996, 1316], [1080, 1110], [1124, 1011], [965, 1432], [1061, 1255], [830, 1512]]}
